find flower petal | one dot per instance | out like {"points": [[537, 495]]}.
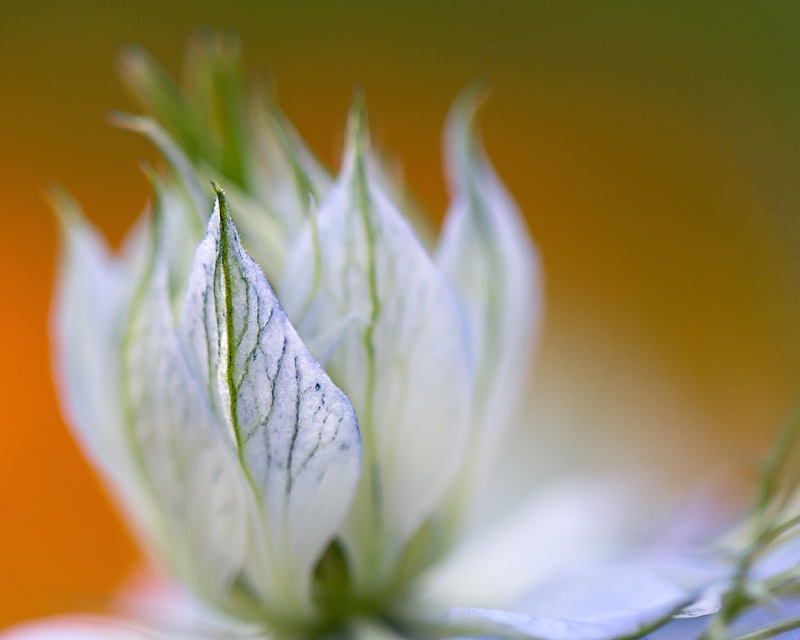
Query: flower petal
{"points": [[80, 628], [180, 447], [88, 321], [259, 223], [208, 118], [567, 525], [286, 175], [622, 625], [613, 602], [600, 592], [295, 432], [486, 251], [215, 126], [403, 364]]}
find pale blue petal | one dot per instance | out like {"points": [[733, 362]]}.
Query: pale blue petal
{"points": [[560, 527], [505, 624]]}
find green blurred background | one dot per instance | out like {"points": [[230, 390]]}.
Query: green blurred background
{"points": [[654, 148]]}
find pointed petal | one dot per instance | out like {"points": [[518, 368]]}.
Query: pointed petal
{"points": [[215, 127], [189, 467], [90, 278], [159, 94], [87, 327], [295, 432], [403, 364], [486, 251], [285, 174], [184, 170], [261, 227]]}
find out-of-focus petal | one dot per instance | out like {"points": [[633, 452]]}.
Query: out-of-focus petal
{"points": [[599, 592], [161, 603], [214, 126], [93, 292], [403, 363], [616, 625], [81, 628], [179, 447], [486, 251], [609, 602], [756, 618], [285, 174], [261, 227], [557, 529]]}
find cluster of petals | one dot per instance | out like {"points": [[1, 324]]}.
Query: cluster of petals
{"points": [[296, 397]]}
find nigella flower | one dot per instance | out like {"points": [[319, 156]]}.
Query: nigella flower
{"points": [[296, 401]]}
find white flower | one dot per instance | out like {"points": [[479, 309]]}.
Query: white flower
{"points": [[295, 401]]}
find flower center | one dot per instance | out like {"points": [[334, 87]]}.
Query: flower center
{"points": [[338, 601]]}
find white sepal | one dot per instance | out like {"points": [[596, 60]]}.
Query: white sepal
{"points": [[294, 431], [175, 438], [93, 295], [486, 251], [403, 361]]}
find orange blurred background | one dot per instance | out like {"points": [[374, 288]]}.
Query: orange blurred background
{"points": [[654, 148]]}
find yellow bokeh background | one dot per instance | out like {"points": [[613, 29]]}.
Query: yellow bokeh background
{"points": [[654, 148]]}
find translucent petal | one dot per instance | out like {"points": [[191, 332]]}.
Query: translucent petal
{"points": [[264, 233], [561, 527], [485, 249], [81, 628], [207, 115], [176, 157], [613, 602], [294, 431], [763, 619], [188, 465], [167, 605], [215, 126], [88, 322], [599, 592], [285, 174], [403, 363], [617, 625]]}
